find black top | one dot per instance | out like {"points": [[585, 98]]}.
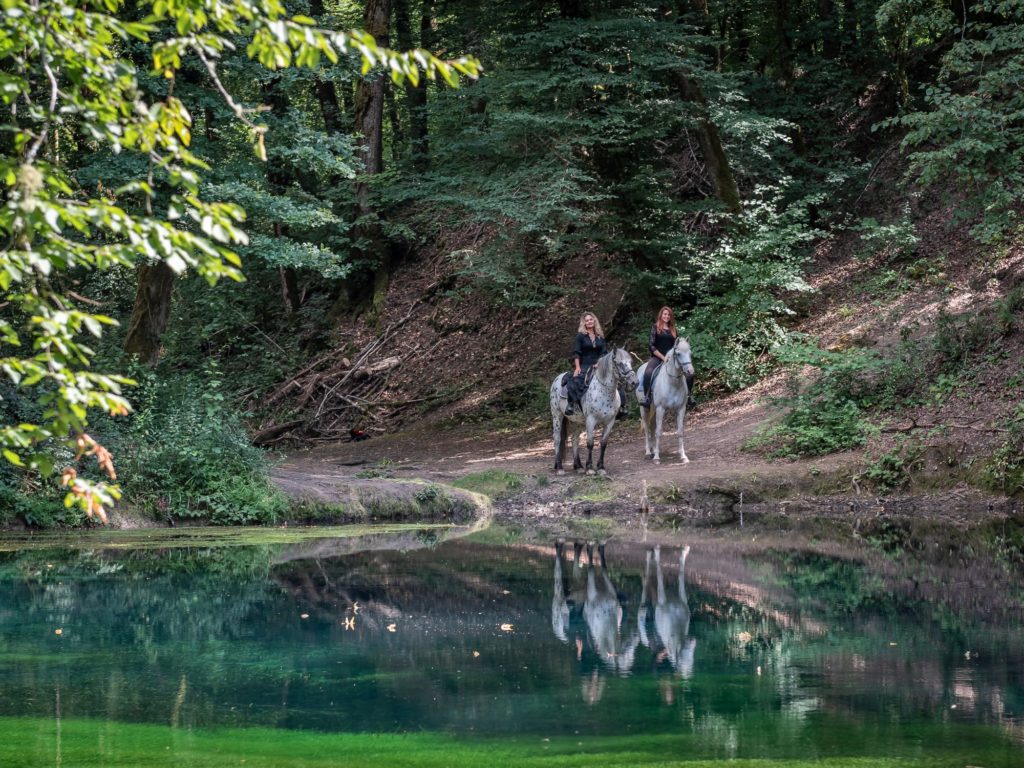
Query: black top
{"points": [[588, 352], [663, 341]]}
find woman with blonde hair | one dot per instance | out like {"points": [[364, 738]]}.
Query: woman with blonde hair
{"points": [[586, 351], [662, 340]]}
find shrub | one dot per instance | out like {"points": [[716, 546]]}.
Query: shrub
{"points": [[1004, 472], [827, 414], [185, 453], [891, 470]]}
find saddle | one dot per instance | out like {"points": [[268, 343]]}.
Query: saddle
{"points": [[587, 378], [654, 377]]}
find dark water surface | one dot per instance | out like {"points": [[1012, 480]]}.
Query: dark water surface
{"points": [[462, 653]]}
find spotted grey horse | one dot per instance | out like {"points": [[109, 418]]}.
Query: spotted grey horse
{"points": [[668, 393], [599, 408]]}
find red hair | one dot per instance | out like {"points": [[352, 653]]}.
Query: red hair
{"points": [[671, 321]]}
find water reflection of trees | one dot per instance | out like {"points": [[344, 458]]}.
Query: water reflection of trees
{"points": [[163, 616], [672, 638]]}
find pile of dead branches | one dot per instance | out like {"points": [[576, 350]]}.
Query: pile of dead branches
{"points": [[340, 397]]}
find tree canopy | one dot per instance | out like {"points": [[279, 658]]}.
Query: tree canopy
{"points": [[72, 86]]}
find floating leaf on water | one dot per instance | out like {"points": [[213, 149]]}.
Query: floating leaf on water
{"points": [[58, 631], [392, 627], [506, 627], [303, 615]]}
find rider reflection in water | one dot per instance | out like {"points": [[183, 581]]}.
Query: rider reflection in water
{"points": [[586, 612], [586, 351]]}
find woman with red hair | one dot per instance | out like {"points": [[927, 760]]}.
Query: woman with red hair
{"points": [[662, 340]]}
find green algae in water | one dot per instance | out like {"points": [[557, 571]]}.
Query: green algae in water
{"points": [[213, 536], [347, 652], [28, 743]]}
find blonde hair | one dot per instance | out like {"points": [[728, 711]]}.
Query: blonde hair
{"points": [[597, 324]]}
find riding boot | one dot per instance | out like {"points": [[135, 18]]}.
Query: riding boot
{"points": [[649, 371], [623, 408], [570, 409], [691, 401]]}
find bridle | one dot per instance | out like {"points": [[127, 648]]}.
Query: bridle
{"points": [[681, 363], [621, 372]]}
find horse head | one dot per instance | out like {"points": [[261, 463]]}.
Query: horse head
{"points": [[623, 367], [682, 356]]}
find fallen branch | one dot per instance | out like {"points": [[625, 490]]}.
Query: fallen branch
{"points": [[266, 436], [914, 425]]}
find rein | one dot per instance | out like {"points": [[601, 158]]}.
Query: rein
{"points": [[616, 373], [677, 365]]}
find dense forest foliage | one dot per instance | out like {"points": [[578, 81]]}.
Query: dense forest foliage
{"points": [[698, 150]]}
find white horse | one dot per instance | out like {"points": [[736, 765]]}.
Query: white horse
{"points": [[600, 405], [671, 614], [669, 393]]}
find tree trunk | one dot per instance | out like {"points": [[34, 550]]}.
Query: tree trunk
{"points": [[572, 9], [369, 118], [278, 181], [330, 110], [370, 92], [324, 90], [829, 29], [151, 311], [290, 289], [711, 146], [742, 33], [783, 44], [416, 95]]}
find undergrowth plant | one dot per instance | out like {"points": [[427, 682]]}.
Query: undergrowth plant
{"points": [[1004, 472], [185, 453], [892, 469], [826, 414]]}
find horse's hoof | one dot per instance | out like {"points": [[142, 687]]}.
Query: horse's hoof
{"points": [[657, 461], [561, 472], [590, 471], [684, 460], [601, 472]]}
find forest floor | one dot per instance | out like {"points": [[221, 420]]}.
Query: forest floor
{"points": [[723, 485]]}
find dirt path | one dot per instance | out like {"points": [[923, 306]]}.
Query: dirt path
{"points": [[723, 485], [715, 436]]}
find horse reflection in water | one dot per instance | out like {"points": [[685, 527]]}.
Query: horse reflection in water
{"points": [[562, 602], [588, 612], [671, 614], [603, 613], [601, 609]]}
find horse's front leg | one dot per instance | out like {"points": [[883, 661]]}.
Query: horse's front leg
{"points": [[558, 428], [659, 419], [680, 423], [646, 415], [577, 463]]}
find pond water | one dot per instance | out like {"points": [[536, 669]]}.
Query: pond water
{"points": [[343, 652]]}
